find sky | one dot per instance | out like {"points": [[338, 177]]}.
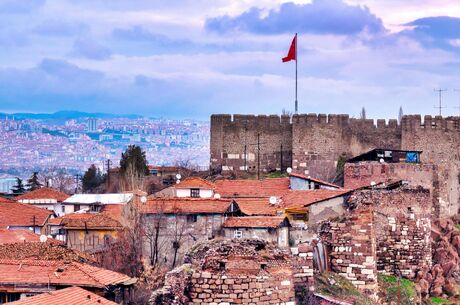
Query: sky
{"points": [[192, 58]]}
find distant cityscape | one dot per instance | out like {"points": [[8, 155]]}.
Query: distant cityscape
{"points": [[74, 141]]}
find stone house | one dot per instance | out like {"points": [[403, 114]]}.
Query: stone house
{"points": [[272, 229], [181, 222]]}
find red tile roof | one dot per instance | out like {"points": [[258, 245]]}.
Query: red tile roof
{"points": [[3, 199], [44, 251], [319, 181], [195, 182], [87, 221], [254, 222], [43, 193], [252, 188], [19, 214], [185, 206], [297, 198], [256, 206], [21, 236], [57, 273], [68, 296]]}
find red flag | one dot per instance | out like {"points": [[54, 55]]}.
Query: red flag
{"points": [[292, 54]]}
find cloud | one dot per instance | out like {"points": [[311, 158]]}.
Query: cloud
{"points": [[20, 6], [320, 17], [61, 28], [88, 48]]}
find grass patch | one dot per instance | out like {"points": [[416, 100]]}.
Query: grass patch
{"points": [[389, 289], [438, 301], [457, 226], [277, 174]]}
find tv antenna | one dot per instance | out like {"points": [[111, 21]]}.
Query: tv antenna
{"points": [[440, 91], [458, 90]]}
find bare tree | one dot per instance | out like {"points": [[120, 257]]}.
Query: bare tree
{"points": [[59, 179], [153, 229], [177, 232]]}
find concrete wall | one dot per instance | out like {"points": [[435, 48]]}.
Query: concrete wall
{"points": [[325, 210], [186, 193], [89, 240]]}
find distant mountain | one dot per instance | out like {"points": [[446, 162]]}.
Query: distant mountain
{"points": [[66, 115]]}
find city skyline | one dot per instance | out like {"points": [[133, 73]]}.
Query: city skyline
{"points": [[194, 58]]}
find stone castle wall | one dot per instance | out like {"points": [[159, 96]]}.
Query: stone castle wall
{"points": [[312, 144]]}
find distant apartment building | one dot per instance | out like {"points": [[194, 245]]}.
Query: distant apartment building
{"points": [[6, 184], [92, 125]]}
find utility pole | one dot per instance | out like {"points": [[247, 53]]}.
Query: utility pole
{"points": [[77, 182], [245, 157], [458, 90], [281, 158], [107, 164], [440, 91], [258, 156]]}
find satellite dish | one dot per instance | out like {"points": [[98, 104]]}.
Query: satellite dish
{"points": [[289, 170], [273, 200], [143, 199], [177, 181], [43, 238], [381, 160], [373, 183], [178, 176], [216, 196]]}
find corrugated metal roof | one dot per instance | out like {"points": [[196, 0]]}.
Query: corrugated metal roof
{"points": [[117, 198]]}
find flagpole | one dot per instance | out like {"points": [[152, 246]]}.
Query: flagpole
{"points": [[296, 59]]}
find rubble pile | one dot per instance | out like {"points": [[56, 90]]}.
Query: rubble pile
{"points": [[442, 278]]}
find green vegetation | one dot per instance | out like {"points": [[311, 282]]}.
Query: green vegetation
{"points": [[457, 226], [277, 174], [438, 301], [389, 289]]}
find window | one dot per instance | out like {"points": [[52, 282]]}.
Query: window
{"points": [[192, 218], [195, 193], [63, 209], [237, 234], [76, 207]]}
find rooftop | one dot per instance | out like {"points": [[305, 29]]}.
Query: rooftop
{"points": [[319, 181], [86, 221], [256, 206], [44, 193], [255, 222], [43, 251], [195, 182], [21, 236], [296, 199], [186, 206], [117, 198], [389, 156], [57, 273], [68, 296], [253, 188], [24, 215]]}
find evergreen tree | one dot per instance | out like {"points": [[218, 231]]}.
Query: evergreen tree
{"points": [[134, 156], [92, 178], [19, 187], [33, 183]]}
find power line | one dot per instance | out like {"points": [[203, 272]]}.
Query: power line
{"points": [[440, 91]]}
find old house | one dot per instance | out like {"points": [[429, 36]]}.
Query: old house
{"points": [[302, 182], [19, 216], [25, 278], [23, 236], [181, 222], [70, 296], [46, 198], [272, 229], [85, 231]]}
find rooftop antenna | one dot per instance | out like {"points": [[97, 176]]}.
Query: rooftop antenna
{"points": [[458, 90], [440, 91]]}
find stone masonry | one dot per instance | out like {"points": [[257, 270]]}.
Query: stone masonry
{"points": [[312, 144]]}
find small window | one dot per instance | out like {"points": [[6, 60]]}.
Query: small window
{"points": [[192, 218], [76, 207], [237, 234], [63, 209], [195, 193]]}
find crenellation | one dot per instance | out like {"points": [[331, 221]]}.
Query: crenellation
{"points": [[322, 118]]}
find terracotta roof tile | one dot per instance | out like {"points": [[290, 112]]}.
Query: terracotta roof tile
{"points": [[19, 214], [254, 222], [86, 221], [195, 182], [186, 206], [256, 206], [21, 236], [43, 193], [43, 251], [319, 181], [252, 188], [306, 198], [68, 296], [57, 273]]}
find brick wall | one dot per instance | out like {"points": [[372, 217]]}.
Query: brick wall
{"points": [[352, 246]]}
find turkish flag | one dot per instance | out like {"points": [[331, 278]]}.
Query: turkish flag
{"points": [[292, 54]]}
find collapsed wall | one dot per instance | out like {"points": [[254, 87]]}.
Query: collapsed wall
{"points": [[230, 272]]}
